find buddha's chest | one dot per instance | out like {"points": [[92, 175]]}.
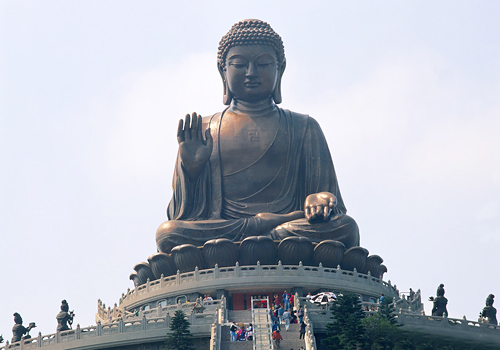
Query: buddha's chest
{"points": [[245, 142]]}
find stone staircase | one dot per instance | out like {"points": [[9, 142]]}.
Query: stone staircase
{"points": [[291, 338], [244, 317]]}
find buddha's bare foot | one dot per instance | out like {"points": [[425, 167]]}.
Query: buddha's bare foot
{"points": [[270, 220]]}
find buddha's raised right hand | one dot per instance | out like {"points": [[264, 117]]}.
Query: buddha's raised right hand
{"points": [[193, 149]]}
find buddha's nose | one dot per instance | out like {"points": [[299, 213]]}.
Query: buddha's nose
{"points": [[252, 70]]}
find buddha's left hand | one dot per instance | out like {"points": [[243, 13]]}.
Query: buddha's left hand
{"points": [[318, 206]]}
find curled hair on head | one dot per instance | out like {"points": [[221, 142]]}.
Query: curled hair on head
{"points": [[247, 33]]}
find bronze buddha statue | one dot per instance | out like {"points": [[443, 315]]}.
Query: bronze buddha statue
{"points": [[254, 169]]}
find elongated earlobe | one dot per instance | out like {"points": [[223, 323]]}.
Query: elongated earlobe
{"points": [[227, 97], [277, 90]]}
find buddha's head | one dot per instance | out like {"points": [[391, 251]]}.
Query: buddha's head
{"points": [[251, 62]]}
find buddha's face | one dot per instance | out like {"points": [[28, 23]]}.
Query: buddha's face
{"points": [[251, 72]]}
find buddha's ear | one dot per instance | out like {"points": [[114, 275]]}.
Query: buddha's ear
{"points": [[227, 97], [277, 90]]}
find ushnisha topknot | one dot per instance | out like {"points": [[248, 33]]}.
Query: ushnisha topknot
{"points": [[250, 32]]}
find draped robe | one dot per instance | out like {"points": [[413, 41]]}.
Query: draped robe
{"points": [[201, 210]]}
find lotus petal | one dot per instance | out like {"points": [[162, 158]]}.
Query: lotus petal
{"points": [[222, 252], [162, 264], [329, 253], [257, 248], [354, 258], [187, 257]]}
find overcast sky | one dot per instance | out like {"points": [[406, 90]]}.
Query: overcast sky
{"points": [[407, 94]]}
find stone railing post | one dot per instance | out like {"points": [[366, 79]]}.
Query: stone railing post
{"points": [[216, 271], [321, 270], [121, 325], [99, 329], [162, 281], [178, 278], [144, 322], [196, 274], [39, 339], [280, 268], [78, 332], [237, 269], [301, 269]]}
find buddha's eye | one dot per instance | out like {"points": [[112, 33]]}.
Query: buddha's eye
{"points": [[237, 65]]}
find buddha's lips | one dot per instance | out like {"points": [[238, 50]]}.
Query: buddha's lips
{"points": [[252, 84]]}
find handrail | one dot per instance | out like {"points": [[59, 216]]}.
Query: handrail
{"points": [[258, 270], [309, 338], [260, 314], [215, 334], [127, 324]]}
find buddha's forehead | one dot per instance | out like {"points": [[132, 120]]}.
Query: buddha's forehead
{"points": [[251, 51]]}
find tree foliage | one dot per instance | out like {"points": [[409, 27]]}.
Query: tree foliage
{"points": [[347, 331], [180, 338]]}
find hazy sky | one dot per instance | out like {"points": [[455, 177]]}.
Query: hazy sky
{"points": [[407, 94]]}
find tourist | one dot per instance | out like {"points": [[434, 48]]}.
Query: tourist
{"points": [[276, 326], [293, 314], [286, 300], [302, 330], [276, 301], [241, 335], [381, 299], [233, 330], [308, 296], [300, 313], [292, 301], [277, 337], [286, 318], [281, 311], [249, 332]]}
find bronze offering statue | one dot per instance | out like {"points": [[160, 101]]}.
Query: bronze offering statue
{"points": [[489, 311], [254, 169], [18, 331], [439, 302], [64, 317]]}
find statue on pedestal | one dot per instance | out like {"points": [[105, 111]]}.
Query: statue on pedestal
{"points": [[64, 317], [489, 311], [254, 169], [19, 331], [255, 182], [439, 302]]}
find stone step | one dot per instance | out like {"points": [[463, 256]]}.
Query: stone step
{"points": [[236, 345], [240, 316]]}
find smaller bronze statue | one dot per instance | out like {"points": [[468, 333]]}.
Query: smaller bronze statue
{"points": [[489, 311], [19, 331], [439, 302], [64, 317]]}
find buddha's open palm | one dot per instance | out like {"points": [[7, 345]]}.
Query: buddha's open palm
{"points": [[318, 206], [193, 149]]}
